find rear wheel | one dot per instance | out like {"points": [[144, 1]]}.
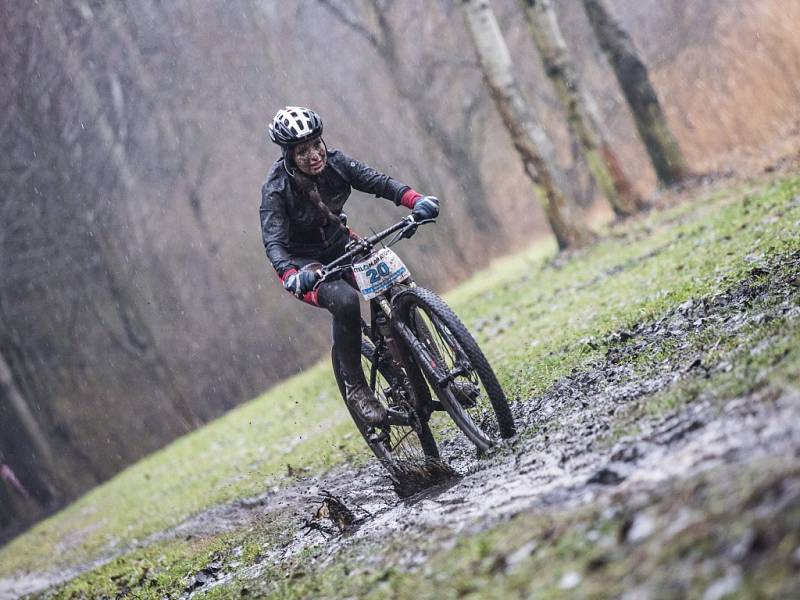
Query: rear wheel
{"points": [[396, 446], [458, 371]]}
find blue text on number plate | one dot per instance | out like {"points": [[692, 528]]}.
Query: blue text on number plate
{"points": [[379, 272]]}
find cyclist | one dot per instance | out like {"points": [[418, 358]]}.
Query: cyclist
{"points": [[301, 210]]}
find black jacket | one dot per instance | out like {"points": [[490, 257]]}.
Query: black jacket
{"points": [[292, 225]]}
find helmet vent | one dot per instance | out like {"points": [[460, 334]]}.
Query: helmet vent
{"points": [[293, 125]]}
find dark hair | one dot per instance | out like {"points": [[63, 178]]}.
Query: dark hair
{"points": [[307, 188]]}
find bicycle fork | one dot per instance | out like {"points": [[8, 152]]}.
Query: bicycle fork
{"points": [[405, 349], [418, 350]]}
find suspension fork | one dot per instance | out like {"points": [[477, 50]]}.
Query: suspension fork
{"points": [[383, 333], [402, 353], [413, 348]]}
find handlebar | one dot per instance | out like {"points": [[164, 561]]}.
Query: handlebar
{"points": [[361, 246]]}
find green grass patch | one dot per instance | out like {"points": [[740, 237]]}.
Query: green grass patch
{"points": [[169, 568]]}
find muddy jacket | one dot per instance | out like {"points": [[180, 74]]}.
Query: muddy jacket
{"points": [[292, 226]]}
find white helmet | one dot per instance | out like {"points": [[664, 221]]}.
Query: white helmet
{"points": [[294, 125]]}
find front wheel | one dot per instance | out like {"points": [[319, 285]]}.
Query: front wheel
{"points": [[456, 368]]}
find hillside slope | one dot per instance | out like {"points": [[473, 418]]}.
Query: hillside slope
{"points": [[654, 378]]}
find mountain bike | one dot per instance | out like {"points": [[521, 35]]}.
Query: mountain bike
{"points": [[412, 344]]}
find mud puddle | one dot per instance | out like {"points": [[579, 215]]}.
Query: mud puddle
{"points": [[672, 448]]}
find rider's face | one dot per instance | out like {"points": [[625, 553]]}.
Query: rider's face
{"points": [[310, 157]]}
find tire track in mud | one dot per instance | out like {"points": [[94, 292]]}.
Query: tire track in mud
{"points": [[563, 458]]}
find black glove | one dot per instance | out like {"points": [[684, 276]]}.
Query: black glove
{"points": [[301, 282], [426, 207]]}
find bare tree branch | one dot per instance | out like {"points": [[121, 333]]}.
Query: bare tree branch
{"points": [[352, 23]]}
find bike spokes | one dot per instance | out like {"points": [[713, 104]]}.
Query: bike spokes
{"points": [[404, 437], [461, 380], [455, 367]]}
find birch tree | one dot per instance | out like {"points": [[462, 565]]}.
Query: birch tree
{"points": [[527, 135], [580, 107], [631, 72]]}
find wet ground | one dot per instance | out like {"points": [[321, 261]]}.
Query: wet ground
{"points": [[573, 452], [590, 440]]}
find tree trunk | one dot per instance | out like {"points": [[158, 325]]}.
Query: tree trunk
{"points": [[580, 108], [527, 135], [663, 148]]}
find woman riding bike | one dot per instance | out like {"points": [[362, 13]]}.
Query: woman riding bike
{"points": [[301, 207]]}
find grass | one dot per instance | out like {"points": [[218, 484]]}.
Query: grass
{"points": [[301, 422], [625, 280], [535, 317]]}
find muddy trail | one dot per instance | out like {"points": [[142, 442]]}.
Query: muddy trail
{"points": [[592, 439], [568, 454]]}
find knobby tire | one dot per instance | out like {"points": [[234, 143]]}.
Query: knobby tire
{"points": [[452, 333]]}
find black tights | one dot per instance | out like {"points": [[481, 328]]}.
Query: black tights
{"points": [[342, 301]]}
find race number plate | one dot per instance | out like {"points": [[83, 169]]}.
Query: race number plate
{"points": [[379, 272]]}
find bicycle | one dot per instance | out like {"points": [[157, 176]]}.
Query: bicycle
{"points": [[414, 343]]}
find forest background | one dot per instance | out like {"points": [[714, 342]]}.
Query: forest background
{"points": [[136, 302]]}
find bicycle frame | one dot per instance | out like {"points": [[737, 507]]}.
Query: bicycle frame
{"points": [[404, 336], [404, 347]]}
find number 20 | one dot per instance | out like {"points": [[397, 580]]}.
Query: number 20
{"points": [[375, 274]]}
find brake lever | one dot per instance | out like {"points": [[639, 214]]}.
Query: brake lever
{"points": [[412, 227], [409, 230], [331, 275]]}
